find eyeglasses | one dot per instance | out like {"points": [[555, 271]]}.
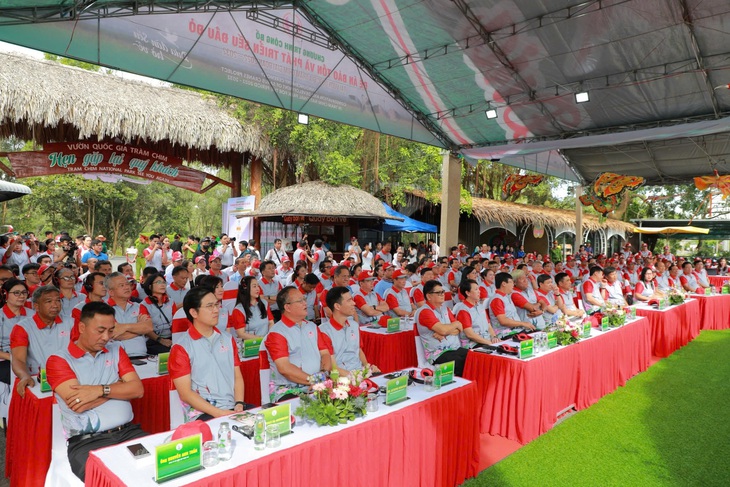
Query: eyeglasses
{"points": [[19, 293], [31, 273], [439, 293], [68, 278], [209, 306], [159, 282], [303, 300]]}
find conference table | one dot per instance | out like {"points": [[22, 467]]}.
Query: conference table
{"points": [[714, 311], [389, 351], [29, 434], [672, 327], [522, 399], [431, 439]]}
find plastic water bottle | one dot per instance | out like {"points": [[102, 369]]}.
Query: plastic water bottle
{"points": [[259, 432], [225, 445]]}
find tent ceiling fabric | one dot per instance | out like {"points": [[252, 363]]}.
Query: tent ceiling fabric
{"points": [[427, 70]]}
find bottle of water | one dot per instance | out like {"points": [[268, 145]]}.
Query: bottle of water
{"points": [[259, 432], [225, 446]]}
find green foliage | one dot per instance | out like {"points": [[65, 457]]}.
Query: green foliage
{"points": [[75, 63]]}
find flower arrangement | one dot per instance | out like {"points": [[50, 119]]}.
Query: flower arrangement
{"points": [[335, 400], [567, 332], [616, 317], [676, 297]]}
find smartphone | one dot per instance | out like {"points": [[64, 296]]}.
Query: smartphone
{"points": [[268, 405], [138, 450], [136, 361]]}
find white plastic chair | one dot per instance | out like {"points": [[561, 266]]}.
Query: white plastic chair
{"points": [[177, 414], [59, 473], [421, 354]]}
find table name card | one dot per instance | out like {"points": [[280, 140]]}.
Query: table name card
{"points": [[708, 291], [444, 374], [393, 325], [396, 390], [251, 347], [552, 339], [179, 457], [162, 360], [279, 415], [586, 329], [725, 289], [604, 323], [526, 349], [45, 386]]}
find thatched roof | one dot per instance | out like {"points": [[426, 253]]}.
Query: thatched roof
{"points": [[316, 198], [49, 102], [503, 212]]}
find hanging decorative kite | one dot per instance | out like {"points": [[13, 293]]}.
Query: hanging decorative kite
{"points": [[517, 182], [606, 191], [721, 183]]}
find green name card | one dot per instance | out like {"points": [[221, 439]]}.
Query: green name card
{"points": [[162, 360], [552, 339], [45, 386], [526, 349], [443, 374], [708, 291], [586, 329], [396, 390], [251, 347], [279, 415], [604, 323], [179, 457], [725, 289], [393, 325]]}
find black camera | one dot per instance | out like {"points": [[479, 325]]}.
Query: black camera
{"points": [[233, 239]]}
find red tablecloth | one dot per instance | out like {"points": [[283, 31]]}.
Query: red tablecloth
{"points": [[29, 438], [433, 442], [674, 327], [521, 399], [390, 352], [715, 311], [607, 362], [251, 381], [718, 280]]}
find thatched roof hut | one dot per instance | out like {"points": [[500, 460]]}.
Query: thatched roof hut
{"points": [[319, 199], [502, 212], [46, 101]]}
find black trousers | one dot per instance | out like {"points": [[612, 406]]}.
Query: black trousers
{"points": [[78, 450], [155, 348], [5, 371], [459, 358]]}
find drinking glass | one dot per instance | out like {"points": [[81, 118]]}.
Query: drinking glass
{"points": [[372, 404], [273, 437], [428, 383], [210, 454]]}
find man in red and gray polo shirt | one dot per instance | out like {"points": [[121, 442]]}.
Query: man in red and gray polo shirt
{"points": [[94, 381]]}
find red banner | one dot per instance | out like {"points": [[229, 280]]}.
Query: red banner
{"points": [[106, 158]]}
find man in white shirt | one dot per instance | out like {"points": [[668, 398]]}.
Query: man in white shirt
{"points": [[226, 251], [277, 254]]}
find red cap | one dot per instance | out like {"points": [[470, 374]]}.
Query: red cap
{"points": [[285, 259], [212, 258], [399, 273], [431, 265], [193, 428], [386, 266], [200, 258], [43, 269], [256, 264], [365, 275], [332, 271], [570, 258], [177, 256]]}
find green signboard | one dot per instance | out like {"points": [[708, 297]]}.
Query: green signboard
{"points": [[725, 289], [396, 390], [179, 457], [393, 325], [251, 347], [552, 339], [443, 374], [708, 291], [604, 323], [586, 329], [45, 386], [279, 415]]}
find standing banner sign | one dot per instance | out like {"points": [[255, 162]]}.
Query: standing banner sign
{"points": [[106, 158]]}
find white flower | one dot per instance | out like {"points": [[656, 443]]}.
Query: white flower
{"points": [[318, 387], [343, 381], [340, 394]]}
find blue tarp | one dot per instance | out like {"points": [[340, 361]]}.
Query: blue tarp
{"points": [[407, 225]]}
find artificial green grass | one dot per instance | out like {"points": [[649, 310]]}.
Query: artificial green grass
{"points": [[669, 426]]}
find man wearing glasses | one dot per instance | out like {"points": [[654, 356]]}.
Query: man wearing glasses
{"points": [[439, 330], [295, 346], [37, 337], [204, 363]]}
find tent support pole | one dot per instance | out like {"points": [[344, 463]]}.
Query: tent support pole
{"points": [[450, 201], [578, 219]]}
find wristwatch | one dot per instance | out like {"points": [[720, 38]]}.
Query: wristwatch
{"points": [[107, 390]]}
